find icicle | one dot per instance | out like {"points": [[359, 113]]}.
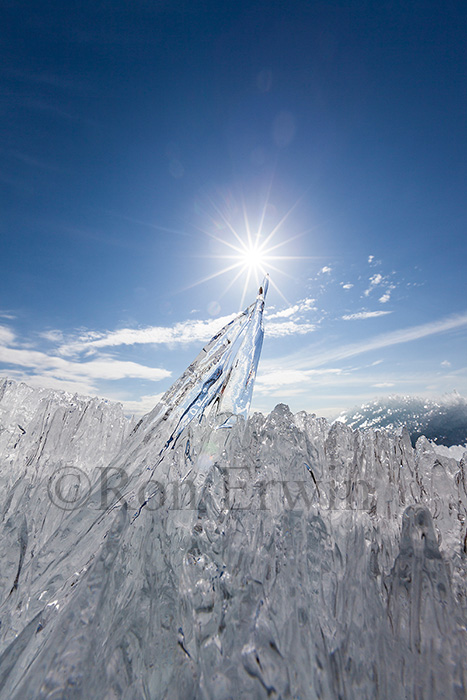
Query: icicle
{"points": [[223, 374], [238, 386]]}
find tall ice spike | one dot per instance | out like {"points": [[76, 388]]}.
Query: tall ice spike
{"points": [[222, 376], [238, 387]]}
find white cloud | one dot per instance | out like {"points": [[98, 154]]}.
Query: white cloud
{"points": [[374, 280], [8, 315], [383, 385], [325, 269], [86, 373], [52, 336], [445, 363], [142, 405], [387, 294], [405, 335], [6, 335], [365, 314], [39, 380], [185, 332], [308, 357], [371, 258], [138, 407], [347, 286], [269, 381], [300, 307], [377, 281], [79, 363], [281, 330], [285, 313]]}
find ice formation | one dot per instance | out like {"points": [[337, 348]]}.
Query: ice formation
{"points": [[220, 379], [224, 558]]}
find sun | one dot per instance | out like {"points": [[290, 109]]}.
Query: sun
{"points": [[254, 259], [249, 251], [251, 258]]}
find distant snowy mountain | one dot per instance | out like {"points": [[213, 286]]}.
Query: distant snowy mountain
{"points": [[279, 558], [443, 420]]}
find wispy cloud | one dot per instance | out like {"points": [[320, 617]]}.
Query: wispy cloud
{"points": [[79, 362], [300, 307], [281, 330], [72, 375], [141, 406], [53, 336], [364, 314], [48, 79], [84, 387], [29, 160], [407, 335], [328, 392], [375, 280], [8, 315], [268, 381], [103, 368], [187, 332], [366, 278], [380, 283], [184, 333], [6, 335], [308, 357]]}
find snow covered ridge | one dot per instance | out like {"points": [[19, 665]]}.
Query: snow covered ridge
{"points": [[299, 560], [443, 420]]}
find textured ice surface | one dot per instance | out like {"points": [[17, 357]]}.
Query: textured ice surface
{"points": [[443, 420], [199, 555], [217, 384], [283, 558]]}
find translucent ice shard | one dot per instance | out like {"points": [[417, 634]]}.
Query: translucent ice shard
{"points": [[238, 385], [221, 377]]}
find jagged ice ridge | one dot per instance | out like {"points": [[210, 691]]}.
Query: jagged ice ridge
{"points": [[223, 557]]}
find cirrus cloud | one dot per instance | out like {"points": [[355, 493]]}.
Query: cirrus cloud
{"points": [[364, 314]]}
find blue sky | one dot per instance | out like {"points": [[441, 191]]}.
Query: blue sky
{"points": [[139, 139]]}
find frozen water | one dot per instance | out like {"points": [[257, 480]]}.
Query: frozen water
{"points": [[297, 560], [220, 378], [316, 600], [282, 557]]}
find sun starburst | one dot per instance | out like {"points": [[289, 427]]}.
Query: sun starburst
{"points": [[250, 252]]}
